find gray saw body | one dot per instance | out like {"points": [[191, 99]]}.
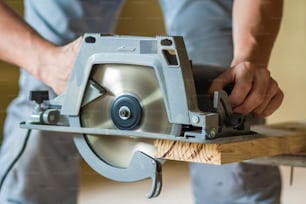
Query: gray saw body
{"points": [[126, 91]]}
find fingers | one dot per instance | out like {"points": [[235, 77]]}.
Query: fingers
{"points": [[221, 81], [71, 51], [244, 78], [272, 102], [76, 44], [62, 64], [255, 91], [264, 98]]}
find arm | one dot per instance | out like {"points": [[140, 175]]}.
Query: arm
{"points": [[23, 46], [255, 27]]}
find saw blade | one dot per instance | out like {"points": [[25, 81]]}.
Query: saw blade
{"points": [[133, 101]]}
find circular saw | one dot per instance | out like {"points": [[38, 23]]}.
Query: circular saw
{"points": [[126, 91]]}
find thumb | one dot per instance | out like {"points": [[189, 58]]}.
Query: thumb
{"points": [[221, 81]]}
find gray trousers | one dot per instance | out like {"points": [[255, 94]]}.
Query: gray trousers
{"points": [[48, 170], [238, 183]]}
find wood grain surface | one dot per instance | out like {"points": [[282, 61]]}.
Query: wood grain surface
{"points": [[279, 139]]}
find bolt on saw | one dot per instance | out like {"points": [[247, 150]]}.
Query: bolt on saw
{"points": [[126, 91]]}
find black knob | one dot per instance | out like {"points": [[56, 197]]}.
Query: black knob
{"points": [[39, 96], [166, 42], [235, 120], [90, 39]]}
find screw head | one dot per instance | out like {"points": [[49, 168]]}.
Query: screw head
{"points": [[195, 119], [212, 133]]}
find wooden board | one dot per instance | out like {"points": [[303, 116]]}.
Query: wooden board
{"points": [[285, 138]]}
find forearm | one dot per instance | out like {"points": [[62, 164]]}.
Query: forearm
{"points": [[255, 27], [19, 43], [23, 46]]}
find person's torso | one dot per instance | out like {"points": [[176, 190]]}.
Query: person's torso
{"points": [[61, 21], [206, 26]]}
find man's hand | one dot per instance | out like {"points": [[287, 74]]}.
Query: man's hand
{"points": [[55, 66], [21, 45], [255, 91]]}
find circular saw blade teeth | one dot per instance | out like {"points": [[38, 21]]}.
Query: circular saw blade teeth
{"points": [[139, 82]]}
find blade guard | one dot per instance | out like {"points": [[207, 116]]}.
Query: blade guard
{"points": [[140, 168]]}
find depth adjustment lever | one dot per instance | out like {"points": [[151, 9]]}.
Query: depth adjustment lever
{"points": [[43, 115]]}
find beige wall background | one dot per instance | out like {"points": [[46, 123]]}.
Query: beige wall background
{"points": [[288, 62]]}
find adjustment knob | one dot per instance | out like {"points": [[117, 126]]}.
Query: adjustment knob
{"points": [[39, 96]]}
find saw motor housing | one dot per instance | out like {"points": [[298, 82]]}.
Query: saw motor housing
{"points": [[169, 59]]}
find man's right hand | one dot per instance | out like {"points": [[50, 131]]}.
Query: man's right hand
{"points": [[255, 91]]}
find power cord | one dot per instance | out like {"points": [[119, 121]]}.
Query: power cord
{"points": [[16, 158], [38, 97]]}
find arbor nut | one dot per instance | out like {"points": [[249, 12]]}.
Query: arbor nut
{"points": [[124, 113]]}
